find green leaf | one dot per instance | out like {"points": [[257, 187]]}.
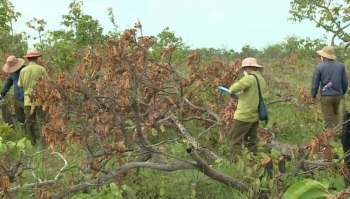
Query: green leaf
{"points": [[275, 153], [314, 193], [129, 190], [263, 155], [129, 122], [249, 171], [271, 183], [264, 182], [306, 189], [94, 192], [21, 143], [325, 183], [110, 195], [262, 143], [3, 148], [257, 182], [28, 144], [162, 191], [113, 187], [81, 196], [261, 171], [11, 144], [240, 165]]}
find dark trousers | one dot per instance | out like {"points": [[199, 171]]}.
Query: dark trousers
{"points": [[19, 111], [345, 140], [330, 110], [243, 134], [34, 121]]}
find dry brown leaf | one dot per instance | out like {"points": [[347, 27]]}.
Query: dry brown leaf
{"points": [[121, 145], [314, 145], [328, 154], [266, 160], [194, 56], [5, 184]]}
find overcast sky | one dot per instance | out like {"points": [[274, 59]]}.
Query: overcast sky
{"points": [[201, 23]]}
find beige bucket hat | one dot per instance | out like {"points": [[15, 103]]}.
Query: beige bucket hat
{"points": [[12, 64], [327, 52], [250, 61]]}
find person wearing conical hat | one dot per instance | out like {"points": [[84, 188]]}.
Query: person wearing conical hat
{"points": [[330, 79], [27, 80], [13, 66], [246, 117]]}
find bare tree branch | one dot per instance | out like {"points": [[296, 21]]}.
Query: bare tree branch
{"points": [[202, 109], [211, 172], [121, 170], [40, 182], [191, 140]]}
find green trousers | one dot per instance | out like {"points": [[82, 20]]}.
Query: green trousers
{"points": [[330, 110], [33, 123], [243, 134]]}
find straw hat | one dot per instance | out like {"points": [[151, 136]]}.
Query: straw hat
{"points": [[32, 53], [250, 61], [327, 52], [13, 64]]}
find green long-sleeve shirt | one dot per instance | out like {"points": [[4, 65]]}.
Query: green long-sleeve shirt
{"points": [[28, 78], [247, 108]]}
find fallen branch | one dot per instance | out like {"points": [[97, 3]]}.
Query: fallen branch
{"points": [[192, 141], [324, 164], [266, 135], [121, 170], [31, 185], [319, 163], [194, 150], [41, 183], [299, 165], [198, 165], [216, 175], [303, 160], [217, 118]]}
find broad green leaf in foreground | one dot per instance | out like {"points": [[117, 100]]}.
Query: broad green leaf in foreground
{"points": [[306, 189]]}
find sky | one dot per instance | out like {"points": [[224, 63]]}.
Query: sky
{"points": [[229, 24]]}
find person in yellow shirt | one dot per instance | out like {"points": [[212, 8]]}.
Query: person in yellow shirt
{"points": [[27, 80], [246, 118]]}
